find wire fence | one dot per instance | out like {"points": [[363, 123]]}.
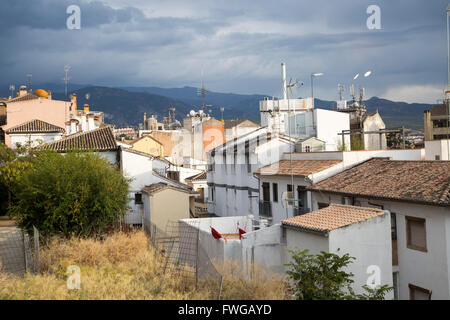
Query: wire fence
{"points": [[19, 251], [185, 256]]}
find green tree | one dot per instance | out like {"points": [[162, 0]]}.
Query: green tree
{"points": [[76, 193], [323, 277]]}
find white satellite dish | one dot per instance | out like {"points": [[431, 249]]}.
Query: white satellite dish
{"points": [[87, 96], [192, 113], [356, 76], [368, 73]]}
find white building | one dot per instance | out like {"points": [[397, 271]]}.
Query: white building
{"points": [[437, 149], [363, 233], [417, 195], [300, 119], [288, 178], [33, 133], [233, 189]]}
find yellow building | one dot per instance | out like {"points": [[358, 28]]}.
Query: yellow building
{"points": [[163, 203], [149, 145]]}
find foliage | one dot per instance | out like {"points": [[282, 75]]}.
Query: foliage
{"points": [[76, 193], [322, 277], [356, 142], [125, 266], [341, 145], [394, 140]]}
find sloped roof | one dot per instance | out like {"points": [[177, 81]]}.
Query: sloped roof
{"points": [[156, 187], [100, 139], [333, 217], [236, 122], [35, 126], [197, 177], [425, 182], [24, 98], [299, 167]]}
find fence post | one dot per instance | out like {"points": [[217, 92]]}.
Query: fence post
{"points": [[36, 249]]}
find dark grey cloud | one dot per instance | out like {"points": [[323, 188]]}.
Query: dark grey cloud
{"points": [[237, 44]]}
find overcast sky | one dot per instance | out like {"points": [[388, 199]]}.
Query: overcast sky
{"points": [[238, 45]]}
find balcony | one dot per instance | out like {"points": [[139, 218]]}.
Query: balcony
{"points": [[265, 209]]}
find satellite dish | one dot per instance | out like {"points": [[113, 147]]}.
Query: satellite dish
{"points": [[368, 73], [87, 96], [356, 76], [192, 113]]}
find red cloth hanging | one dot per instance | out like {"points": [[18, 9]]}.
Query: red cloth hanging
{"points": [[215, 233], [241, 232]]}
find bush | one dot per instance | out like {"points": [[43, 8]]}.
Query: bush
{"points": [[322, 277], [76, 193]]}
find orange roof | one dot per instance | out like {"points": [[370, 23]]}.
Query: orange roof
{"points": [[299, 167], [332, 217]]}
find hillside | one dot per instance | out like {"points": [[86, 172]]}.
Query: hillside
{"points": [[126, 105]]}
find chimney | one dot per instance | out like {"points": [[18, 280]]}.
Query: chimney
{"points": [[74, 104], [91, 123], [83, 123], [86, 108], [23, 91], [49, 95], [73, 126], [283, 80]]}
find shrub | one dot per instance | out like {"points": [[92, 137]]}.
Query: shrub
{"points": [[76, 193]]}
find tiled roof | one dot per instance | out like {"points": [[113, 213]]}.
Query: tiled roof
{"points": [[332, 217], [299, 167], [155, 187], [235, 122], [35, 126], [24, 98], [426, 182], [197, 177], [101, 139]]}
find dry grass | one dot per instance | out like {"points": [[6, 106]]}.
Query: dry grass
{"points": [[124, 266]]}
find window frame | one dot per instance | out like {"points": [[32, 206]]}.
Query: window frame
{"points": [[408, 233], [413, 287]]}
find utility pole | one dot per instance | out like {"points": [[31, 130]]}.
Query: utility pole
{"points": [[66, 78]]}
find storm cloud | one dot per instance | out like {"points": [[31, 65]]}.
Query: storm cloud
{"points": [[237, 45]]}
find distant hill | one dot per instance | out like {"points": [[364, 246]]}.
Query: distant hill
{"points": [[126, 105]]}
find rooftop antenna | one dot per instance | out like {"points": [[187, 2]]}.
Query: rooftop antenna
{"points": [[202, 92], [12, 88], [66, 78], [29, 76], [352, 92], [222, 109], [361, 96], [341, 88], [171, 116]]}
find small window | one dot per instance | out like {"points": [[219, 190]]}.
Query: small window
{"points": [[416, 235], [138, 198], [418, 293], [308, 148], [266, 191], [275, 192], [437, 157], [322, 205]]}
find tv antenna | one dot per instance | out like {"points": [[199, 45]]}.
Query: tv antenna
{"points": [[66, 78], [202, 92], [12, 88], [341, 88], [171, 115], [29, 76]]}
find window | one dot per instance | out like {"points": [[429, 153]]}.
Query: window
{"points": [[275, 192], [418, 293], [266, 191], [393, 226], [224, 159], [138, 198], [247, 156], [307, 148], [416, 235], [290, 194], [437, 157], [322, 205]]}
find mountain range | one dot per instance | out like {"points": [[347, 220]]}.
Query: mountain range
{"points": [[125, 106]]}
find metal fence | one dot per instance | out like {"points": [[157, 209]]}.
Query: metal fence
{"points": [[185, 256], [19, 251]]}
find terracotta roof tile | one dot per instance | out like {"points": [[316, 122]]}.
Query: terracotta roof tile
{"points": [[299, 167], [332, 217], [426, 182], [24, 98], [197, 177], [35, 126], [101, 139]]}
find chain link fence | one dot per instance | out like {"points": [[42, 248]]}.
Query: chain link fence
{"points": [[184, 255], [19, 251]]}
